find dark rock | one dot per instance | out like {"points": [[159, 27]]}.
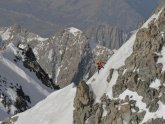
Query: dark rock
{"points": [[153, 106], [83, 103], [110, 75]]}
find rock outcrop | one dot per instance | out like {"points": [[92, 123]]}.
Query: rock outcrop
{"points": [[69, 56], [83, 102], [107, 36], [142, 68]]}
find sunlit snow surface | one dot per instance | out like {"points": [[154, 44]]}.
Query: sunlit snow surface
{"points": [[16, 73], [58, 108], [74, 31]]}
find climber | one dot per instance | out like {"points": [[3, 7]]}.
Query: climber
{"points": [[100, 64]]}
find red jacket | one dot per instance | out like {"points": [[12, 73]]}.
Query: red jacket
{"points": [[100, 64]]}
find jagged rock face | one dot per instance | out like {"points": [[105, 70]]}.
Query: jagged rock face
{"points": [[101, 52], [18, 34], [107, 36], [83, 102], [14, 96], [68, 56], [117, 111], [22, 101], [144, 61], [141, 69], [31, 63]]}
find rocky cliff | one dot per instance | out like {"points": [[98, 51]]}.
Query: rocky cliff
{"points": [[66, 57], [108, 36], [129, 90], [143, 73]]}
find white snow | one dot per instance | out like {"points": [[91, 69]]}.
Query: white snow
{"points": [[158, 114], [155, 84], [142, 106], [162, 34], [12, 94], [35, 50], [104, 111], [17, 73], [57, 73], [37, 38], [154, 16], [12, 109], [100, 85], [50, 55], [20, 70], [41, 39], [5, 35], [74, 31], [57, 108], [23, 46], [134, 96]]}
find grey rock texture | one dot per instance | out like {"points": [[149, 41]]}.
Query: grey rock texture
{"points": [[83, 102], [108, 36], [68, 57], [10, 120], [117, 111], [156, 121], [140, 70], [101, 52]]}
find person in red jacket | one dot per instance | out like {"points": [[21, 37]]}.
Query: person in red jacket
{"points": [[100, 64]]}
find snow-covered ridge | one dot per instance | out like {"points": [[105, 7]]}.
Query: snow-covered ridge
{"points": [[15, 76], [57, 101], [74, 31], [58, 107], [60, 103], [154, 16]]}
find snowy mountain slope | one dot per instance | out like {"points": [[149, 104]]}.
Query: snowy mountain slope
{"points": [[64, 98], [116, 61], [60, 105], [55, 102], [20, 89], [53, 53]]}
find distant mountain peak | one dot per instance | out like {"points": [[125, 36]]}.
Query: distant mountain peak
{"points": [[74, 31], [129, 90]]}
